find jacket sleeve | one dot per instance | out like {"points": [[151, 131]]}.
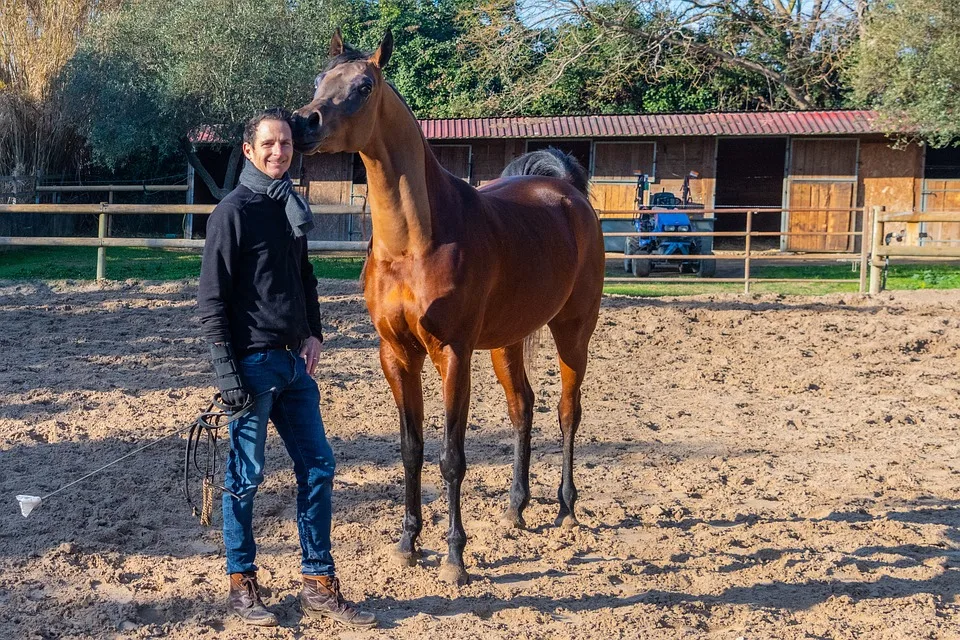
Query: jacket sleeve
{"points": [[310, 296], [220, 252]]}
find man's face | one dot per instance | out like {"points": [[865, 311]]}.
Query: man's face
{"points": [[272, 148]]}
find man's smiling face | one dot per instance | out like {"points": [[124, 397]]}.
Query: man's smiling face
{"points": [[272, 148]]}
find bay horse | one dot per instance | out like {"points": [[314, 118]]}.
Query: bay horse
{"points": [[451, 269]]}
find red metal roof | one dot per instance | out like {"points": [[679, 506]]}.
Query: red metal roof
{"points": [[752, 123], [742, 123], [207, 134]]}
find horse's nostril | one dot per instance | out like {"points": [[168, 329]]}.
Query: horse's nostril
{"points": [[313, 122]]}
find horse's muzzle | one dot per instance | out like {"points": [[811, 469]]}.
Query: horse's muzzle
{"points": [[305, 126]]}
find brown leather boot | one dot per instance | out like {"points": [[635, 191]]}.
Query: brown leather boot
{"points": [[321, 598], [244, 600]]}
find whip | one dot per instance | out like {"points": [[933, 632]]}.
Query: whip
{"points": [[209, 421]]}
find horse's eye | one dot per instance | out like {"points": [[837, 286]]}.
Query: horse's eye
{"points": [[365, 90]]}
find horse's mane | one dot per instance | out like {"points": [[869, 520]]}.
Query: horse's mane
{"points": [[349, 54]]}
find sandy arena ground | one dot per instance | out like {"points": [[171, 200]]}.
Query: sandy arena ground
{"points": [[763, 467]]}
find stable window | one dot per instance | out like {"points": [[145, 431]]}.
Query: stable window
{"points": [[940, 192]]}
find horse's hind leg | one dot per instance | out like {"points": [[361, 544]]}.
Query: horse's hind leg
{"points": [[508, 365], [572, 338], [402, 369]]}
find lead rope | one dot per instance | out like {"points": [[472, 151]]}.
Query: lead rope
{"points": [[208, 424]]}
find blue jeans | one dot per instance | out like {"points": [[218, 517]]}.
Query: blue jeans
{"points": [[294, 408]]}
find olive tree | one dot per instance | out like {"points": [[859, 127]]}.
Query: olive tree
{"points": [[908, 67], [147, 78]]}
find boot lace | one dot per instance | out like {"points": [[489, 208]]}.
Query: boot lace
{"points": [[332, 591], [249, 584]]}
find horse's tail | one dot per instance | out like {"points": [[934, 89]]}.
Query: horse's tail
{"points": [[549, 162], [531, 348]]}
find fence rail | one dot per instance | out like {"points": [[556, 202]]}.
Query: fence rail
{"points": [[859, 259], [874, 251], [105, 209], [885, 247]]}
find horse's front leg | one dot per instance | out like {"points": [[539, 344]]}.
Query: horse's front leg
{"points": [[402, 367], [454, 366]]}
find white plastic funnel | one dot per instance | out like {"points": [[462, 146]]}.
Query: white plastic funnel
{"points": [[28, 504]]}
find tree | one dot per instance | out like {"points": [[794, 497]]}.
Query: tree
{"points": [[908, 67], [426, 67], [36, 41], [758, 53], [149, 75]]}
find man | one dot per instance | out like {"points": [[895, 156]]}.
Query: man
{"points": [[260, 312]]}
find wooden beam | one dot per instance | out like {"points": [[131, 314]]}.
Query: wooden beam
{"points": [[153, 209]]}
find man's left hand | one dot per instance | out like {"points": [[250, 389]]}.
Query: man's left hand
{"points": [[310, 352]]}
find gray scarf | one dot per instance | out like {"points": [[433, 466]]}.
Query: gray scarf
{"points": [[298, 212]]}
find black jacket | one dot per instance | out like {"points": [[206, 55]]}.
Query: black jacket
{"points": [[257, 288]]}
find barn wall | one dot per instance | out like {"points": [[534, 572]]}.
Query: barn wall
{"points": [[822, 187], [885, 176], [678, 156], [328, 178], [490, 157]]}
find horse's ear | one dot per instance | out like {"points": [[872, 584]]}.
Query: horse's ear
{"points": [[381, 56], [336, 44]]}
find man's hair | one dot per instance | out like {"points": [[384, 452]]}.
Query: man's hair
{"points": [[277, 113]]}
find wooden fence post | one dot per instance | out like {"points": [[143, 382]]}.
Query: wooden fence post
{"points": [[746, 246], [865, 223], [102, 250], [876, 241]]}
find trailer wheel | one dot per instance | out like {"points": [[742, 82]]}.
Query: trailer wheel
{"points": [[642, 268], [630, 247], [707, 268]]}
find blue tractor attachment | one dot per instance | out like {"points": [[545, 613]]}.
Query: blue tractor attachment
{"points": [[661, 216]]}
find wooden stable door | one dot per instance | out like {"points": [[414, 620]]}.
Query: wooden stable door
{"points": [[821, 192], [613, 185], [941, 195]]}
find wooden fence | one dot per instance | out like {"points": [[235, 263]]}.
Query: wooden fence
{"points": [[881, 247], [105, 210], [749, 256], [910, 240]]}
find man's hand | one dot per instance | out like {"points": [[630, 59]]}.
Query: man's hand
{"points": [[228, 379], [310, 352]]}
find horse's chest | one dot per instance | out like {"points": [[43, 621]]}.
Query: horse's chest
{"points": [[433, 297]]}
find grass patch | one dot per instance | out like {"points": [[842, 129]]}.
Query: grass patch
{"points": [[140, 263], [899, 277]]}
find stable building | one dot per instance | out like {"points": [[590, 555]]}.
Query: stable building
{"points": [[814, 168]]}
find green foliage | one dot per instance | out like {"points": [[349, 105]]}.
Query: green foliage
{"points": [[425, 67], [617, 56], [147, 75], [908, 67]]}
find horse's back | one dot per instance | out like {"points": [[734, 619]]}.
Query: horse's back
{"points": [[542, 214], [548, 246]]}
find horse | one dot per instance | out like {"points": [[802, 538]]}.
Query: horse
{"points": [[451, 269]]}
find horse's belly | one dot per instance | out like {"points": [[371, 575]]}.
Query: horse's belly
{"points": [[509, 319]]}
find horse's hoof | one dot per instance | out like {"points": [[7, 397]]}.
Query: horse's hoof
{"points": [[513, 519], [567, 522], [452, 574], [404, 558]]}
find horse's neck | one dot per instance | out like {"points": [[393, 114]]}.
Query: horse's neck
{"points": [[402, 173]]}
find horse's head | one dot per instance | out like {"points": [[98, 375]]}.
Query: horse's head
{"points": [[343, 113]]}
